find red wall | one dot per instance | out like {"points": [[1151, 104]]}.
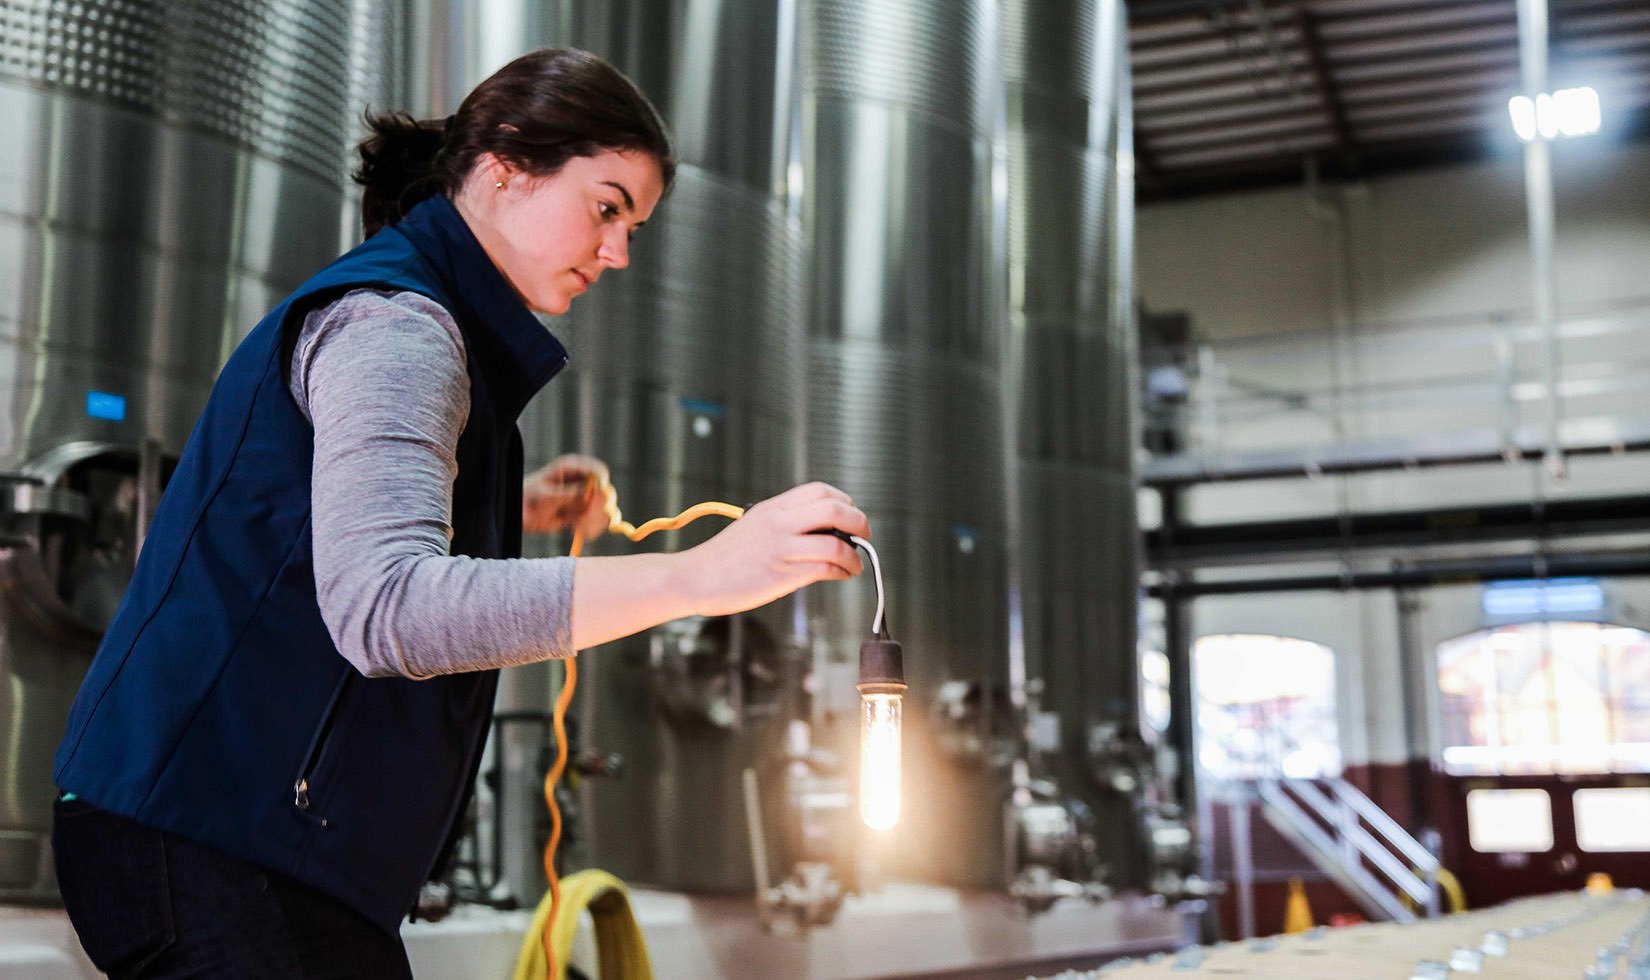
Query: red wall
{"points": [[1417, 796]]}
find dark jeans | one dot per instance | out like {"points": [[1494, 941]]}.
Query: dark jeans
{"points": [[150, 904]]}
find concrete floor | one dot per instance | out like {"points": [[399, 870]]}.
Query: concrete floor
{"points": [[906, 931]]}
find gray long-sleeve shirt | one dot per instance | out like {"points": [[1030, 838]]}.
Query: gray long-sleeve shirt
{"points": [[381, 377]]}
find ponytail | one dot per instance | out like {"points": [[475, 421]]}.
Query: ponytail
{"points": [[399, 166], [535, 113]]}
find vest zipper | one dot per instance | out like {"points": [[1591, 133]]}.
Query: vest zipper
{"points": [[318, 746]]}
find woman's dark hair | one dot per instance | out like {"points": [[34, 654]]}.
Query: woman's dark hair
{"points": [[535, 113]]}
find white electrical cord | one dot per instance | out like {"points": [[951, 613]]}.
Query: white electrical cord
{"points": [[876, 568]]}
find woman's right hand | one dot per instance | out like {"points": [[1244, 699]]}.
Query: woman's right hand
{"points": [[770, 552], [566, 495]]}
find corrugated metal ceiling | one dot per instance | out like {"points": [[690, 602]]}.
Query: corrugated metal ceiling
{"points": [[1244, 93]]}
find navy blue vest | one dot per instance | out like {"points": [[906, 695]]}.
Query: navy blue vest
{"points": [[217, 707]]}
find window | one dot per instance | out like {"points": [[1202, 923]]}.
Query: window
{"points": [[1613, 818], [1546, 698], [1265, 707], [1510, 820], [1154, 690]]}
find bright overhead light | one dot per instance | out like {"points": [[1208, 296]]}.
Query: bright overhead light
{"points": [[1566, 112], [1522, 110], [1546, 116], [1578, 112]]}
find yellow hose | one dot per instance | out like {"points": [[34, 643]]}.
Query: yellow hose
{"points": [[623, 954], [1455, 900]]}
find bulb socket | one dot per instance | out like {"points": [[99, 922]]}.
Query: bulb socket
{"points": [[881, 667]]}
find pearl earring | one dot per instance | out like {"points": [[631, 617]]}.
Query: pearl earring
{"points": [[499, 184]]}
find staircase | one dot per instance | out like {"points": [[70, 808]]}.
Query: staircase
{"points": [[1355, 843]]}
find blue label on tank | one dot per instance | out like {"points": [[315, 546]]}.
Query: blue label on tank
{"points": [[699, 406], [102, 405]]}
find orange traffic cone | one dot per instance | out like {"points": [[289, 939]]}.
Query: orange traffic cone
{"points": [[1297, 914]]}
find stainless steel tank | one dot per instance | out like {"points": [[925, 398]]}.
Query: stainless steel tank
{"points": [[687, 378], [949, 190], [906, 371], [1070, 231], [171, 170]]}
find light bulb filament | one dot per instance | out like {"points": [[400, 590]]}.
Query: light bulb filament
{"points": [[879, 764]]}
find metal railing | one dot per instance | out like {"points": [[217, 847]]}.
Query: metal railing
{"points": [[1352, 841], [1483, 376]]}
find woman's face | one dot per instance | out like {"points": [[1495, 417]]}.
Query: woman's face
{"points": [[552, 237]]}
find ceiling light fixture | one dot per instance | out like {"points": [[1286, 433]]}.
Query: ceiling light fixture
{"points": [[1567, 112]]}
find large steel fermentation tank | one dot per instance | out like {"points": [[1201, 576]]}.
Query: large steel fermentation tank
{"points": [[686, 377], [897, 261], [171, 170], [1071, 323], [906, 368]]}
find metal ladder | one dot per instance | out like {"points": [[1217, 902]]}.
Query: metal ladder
{"points": [[1355, 843]]}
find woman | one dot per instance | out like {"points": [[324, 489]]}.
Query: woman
{"points": [[277, 735]]}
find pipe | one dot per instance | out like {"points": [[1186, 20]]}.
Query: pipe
{"points": [[1443, 573], [1211, 544], [1314, 462], [1415, 681], [1182, 734], [1002, 303], [1538, 196], [1327, 206], [1243, 862], [758, 842]]}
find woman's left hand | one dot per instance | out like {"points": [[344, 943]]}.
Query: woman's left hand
{"points": [[567, 494]]}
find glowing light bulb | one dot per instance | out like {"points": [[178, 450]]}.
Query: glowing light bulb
{"points": [[879, 770], [881, 693]]}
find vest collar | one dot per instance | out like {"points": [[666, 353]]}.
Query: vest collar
{"points": [[522, 354]]}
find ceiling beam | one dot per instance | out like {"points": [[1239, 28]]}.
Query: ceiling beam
{"points": [[1275, 143], [1401, 36], [1470, 119], [1324, 80], [1430, 63], [1374, 30], [1303, 126], [1258, 173], [1146, 87], [1257, 113], [1230, 50], [1141, 11], [1562, 8], [1430, 85], [1422, 86], [1332, 13], [1422, 50], [1572, 46]]}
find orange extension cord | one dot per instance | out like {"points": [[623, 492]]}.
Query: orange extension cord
{"points": [[615, 525]]}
